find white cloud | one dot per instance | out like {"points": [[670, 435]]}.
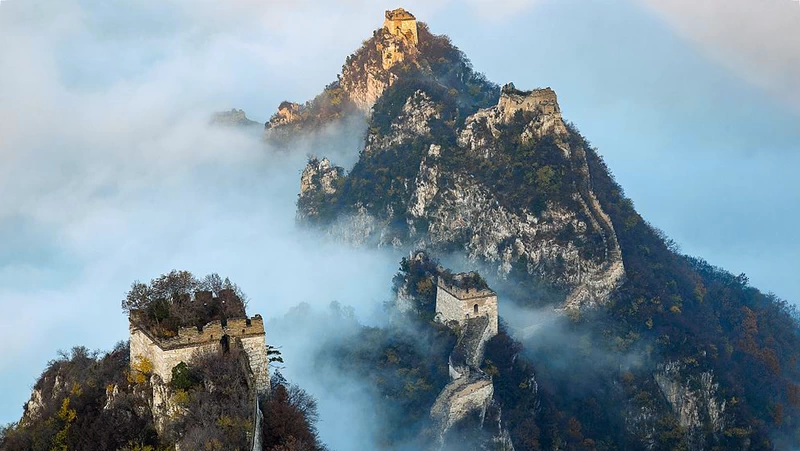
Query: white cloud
{"points": [[110, 173], [105, 155]]}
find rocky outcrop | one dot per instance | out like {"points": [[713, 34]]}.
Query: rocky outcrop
{"points": [[288, 113], [459, 210], [112, 394], [426, 185], [164, 404], [232, 118], [482, 128], [368, 73], [319, 176], [46, 391], [693, 399], [33, 408], [412, 122]]}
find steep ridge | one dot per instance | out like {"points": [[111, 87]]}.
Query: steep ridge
{"points": [[470, 389], [397, 51], [451, 201], [518, 191]]}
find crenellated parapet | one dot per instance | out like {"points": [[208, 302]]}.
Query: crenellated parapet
{"points": [[400, 22], [190, 342], [464, 299], [211, 332], [459, 299], [543, 101]]}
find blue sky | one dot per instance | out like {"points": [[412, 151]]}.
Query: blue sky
{"points": [[108, 174]]}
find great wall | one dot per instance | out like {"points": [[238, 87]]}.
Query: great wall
{"points": [[190, 343], [245, 333], [472, 311]]}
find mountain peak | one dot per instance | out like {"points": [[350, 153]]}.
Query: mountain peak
{"points": [[402, 23], [401, 50]]}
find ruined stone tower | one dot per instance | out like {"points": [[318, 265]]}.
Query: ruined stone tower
{"points": [[400, 22], [457, 300], [246, 334], [466, 304]]}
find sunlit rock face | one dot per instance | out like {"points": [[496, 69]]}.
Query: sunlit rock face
{"points": [[694, 399], [569, 244], [365, 76], [368, 73], [288, 113]]}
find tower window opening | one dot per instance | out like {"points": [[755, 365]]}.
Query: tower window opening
{"points": [[475, 309]]}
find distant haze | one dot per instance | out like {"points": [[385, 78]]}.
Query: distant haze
{"points": [[109, 172]]}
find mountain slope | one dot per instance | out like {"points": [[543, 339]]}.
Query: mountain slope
{"points": [[510, 186], [383, 60], [522, 194], [210, 398]]}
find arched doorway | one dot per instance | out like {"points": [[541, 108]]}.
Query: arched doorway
{"points": [[475, 309]]}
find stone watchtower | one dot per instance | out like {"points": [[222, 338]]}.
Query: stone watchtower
{"points": [[400, 22], [465, 303], [244, 333], [459, 299]]}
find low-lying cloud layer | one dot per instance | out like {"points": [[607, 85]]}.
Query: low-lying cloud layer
{"points": [[110, 173]]}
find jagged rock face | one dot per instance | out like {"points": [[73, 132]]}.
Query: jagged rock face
{"points": [[693, 400], [45, 392], [458, 209], [33, 408], [319, 175], [112, 393], [288, 113], [368, 73], [163, 405], [413, 121]]}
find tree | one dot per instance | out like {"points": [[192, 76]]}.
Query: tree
{"points": [[183, 377], [289, 416], [138, 298], [178, 299], [274, 355]]}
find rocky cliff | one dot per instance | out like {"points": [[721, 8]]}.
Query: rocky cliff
{"points": [[448, 198], [232, 118], [399, 50], [368, 73], [693, 398], [499, 176]]}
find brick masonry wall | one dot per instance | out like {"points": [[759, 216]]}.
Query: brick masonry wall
{"points": [[543, 100], [164, 360], [256, 350], [190, 343], [451, 308]]}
